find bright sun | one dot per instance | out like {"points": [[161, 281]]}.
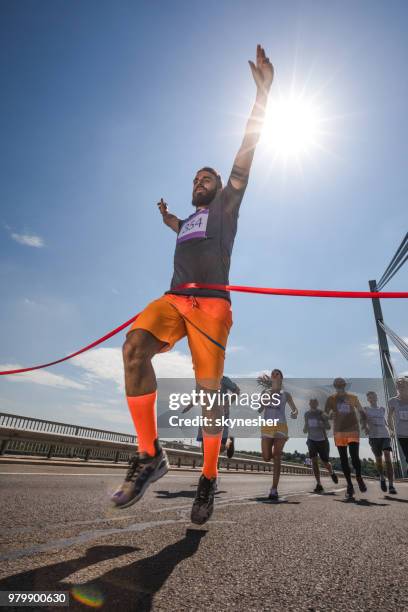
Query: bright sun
{"points": [[293, 127]]}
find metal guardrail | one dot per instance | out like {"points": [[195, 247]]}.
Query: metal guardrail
{"points": [[20, 435]]}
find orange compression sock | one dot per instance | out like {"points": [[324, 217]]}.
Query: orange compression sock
{"points": [[143, 411], [212, 446]]}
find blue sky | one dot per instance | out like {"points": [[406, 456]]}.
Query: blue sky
{"points": [[106, 107]]}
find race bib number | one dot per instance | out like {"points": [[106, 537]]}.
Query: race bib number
{"points": [[344, 408], [404, 415], [313, 423], [194, 227]]}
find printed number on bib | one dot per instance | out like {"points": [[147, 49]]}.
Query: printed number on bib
{"points": [[194, 227], [404, 415], [313, 423], [344, 408]]}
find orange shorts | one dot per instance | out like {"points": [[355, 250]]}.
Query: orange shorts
{"points": [[206, 321], [345, 438]]}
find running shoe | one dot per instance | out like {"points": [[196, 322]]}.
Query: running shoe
{"points": [[318, 489], [361, 484], [143, 470], [392, 489], [203, 504], [383, 485], [350, 492], [231, 449], [273, 497], [334, 477]]}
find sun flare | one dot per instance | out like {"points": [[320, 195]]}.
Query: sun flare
{"points": [[293, 127]]}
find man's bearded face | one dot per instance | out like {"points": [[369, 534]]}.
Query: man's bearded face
{"points": [[204, 188]]}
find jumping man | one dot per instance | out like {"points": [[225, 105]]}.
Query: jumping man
{"points": [[202, 255]]}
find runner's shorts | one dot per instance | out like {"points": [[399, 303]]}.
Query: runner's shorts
{"points": [[345, 438], [378, 445], [223, 439], [275, 431], [205, 321], [319, 448]]}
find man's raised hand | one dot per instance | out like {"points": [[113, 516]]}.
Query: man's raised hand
{"points": [[263, 70], [169, 219], [162, 206]]}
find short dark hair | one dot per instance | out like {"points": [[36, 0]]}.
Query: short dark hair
{"points": [[213, 172]]}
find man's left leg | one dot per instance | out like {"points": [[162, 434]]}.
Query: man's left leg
{"points": [[208, 324], [355, 460]]}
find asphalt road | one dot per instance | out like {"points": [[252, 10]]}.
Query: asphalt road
{"points": [[311, 552]]}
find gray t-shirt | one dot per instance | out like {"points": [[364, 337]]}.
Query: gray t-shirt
{"points": [[277, 408], [316, 424], [377, 427], [204, 243], [400, 416]]}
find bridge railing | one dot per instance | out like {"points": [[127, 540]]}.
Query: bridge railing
{"points": [[20, 435]]}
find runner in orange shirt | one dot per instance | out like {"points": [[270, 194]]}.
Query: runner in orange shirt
{"points": [[203, 252], [346, 412]]}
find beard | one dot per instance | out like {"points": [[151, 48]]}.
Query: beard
{"points": [[203, 198]]}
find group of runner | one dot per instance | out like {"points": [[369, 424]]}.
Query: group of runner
{"points": [[348, 416], [196, 306]]}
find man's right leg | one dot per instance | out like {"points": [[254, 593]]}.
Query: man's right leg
{"points": [[150, 463], [141, 386], [316, 469], [313, 454], [157, 328]]}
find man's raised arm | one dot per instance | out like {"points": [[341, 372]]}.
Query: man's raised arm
{"points": [[263, 76]]}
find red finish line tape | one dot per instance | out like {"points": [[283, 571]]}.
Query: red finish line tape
{"points": [[298, 292], [237, 288]]}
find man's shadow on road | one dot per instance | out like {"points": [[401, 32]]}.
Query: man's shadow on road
{"points": [[175, 494], [396, 499], [128, 588], [266, 500], [359, 502]]}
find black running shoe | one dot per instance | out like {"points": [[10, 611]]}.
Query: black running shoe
{"points": [[203, 504], [231, 449], [273, 497], [361, 484], [350, 492], [383, 485], [142, 471], [392, 489], [334, 477], [318, 489]]}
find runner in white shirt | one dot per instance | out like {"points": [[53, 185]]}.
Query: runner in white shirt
{"points": [[379, 439], [316, 424], [399, 414], [275, 437]]}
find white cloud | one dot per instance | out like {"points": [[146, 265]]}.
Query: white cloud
{"points": [[105, 364], [40, 377], [234, 349], [28, 240], [102, 364], [173, 365], [373, 348], [103, 412]]}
